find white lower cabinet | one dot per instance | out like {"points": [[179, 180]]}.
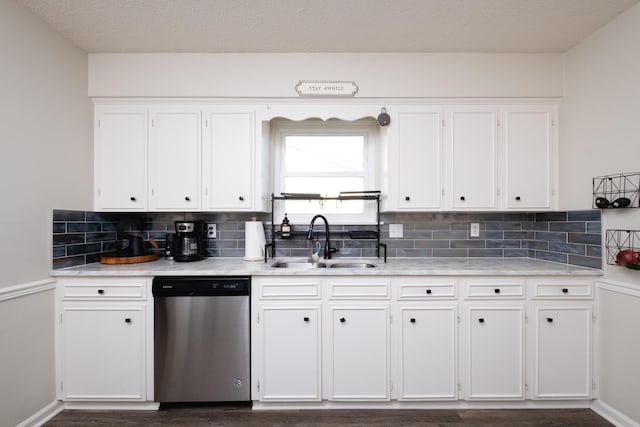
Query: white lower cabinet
{"points": [[351, 339], [562, 344], [290, 352], [495, 352], [104, 340], [428, 352], [358, 352], [341, 339], [104, 352]]}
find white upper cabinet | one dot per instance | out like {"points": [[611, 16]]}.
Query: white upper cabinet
{"points": [[169, 155], [120, 158], [230, 159], [174, 158], [528, 135], [472, 157], [416, 159], [480, 157]]}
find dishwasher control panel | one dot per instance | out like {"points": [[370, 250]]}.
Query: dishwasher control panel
{"points": [[200, 286]]}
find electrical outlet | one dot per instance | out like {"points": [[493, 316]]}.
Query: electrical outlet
{"points": [[395, 231], [475, 230], [211, 231]]}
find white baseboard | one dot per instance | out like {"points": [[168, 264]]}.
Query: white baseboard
{"points": [[612, 415], [43, 415], [451, 405], [113, 406]]}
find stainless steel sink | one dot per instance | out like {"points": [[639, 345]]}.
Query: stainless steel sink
{"points": [[298, 264], [303, 265], [351, 265]]}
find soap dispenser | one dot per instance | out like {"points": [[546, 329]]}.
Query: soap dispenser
{"points": [[285, 228]]}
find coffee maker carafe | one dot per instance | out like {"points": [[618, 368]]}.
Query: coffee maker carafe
{"points": [[189, 245]]}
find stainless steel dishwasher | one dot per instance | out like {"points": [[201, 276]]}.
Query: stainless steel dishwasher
{"points": [[202, 339]]}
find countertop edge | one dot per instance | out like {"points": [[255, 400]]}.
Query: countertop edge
{"points": [[395, 267]]}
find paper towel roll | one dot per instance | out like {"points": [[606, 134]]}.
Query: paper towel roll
{"points": [[254, 241]]}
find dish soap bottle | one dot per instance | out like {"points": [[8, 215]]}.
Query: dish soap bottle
{"points": [[285, 228]]}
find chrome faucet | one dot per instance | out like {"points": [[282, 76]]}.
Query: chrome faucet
{"points": [[327, 244]]}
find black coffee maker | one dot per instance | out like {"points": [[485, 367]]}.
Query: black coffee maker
{"points": [[189, 244]]}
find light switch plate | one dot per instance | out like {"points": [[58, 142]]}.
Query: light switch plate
{"points": [[395, 231], [475, 230], [212, 231]]}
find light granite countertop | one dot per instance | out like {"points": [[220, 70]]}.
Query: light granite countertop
{"points": [[393, 267]]}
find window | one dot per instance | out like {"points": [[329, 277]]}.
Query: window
{"points": [[325, 158]]}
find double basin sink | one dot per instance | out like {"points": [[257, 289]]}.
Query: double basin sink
{"points": [[302, 265]]}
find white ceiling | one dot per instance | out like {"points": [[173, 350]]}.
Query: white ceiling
{"points": [[257, 26]]}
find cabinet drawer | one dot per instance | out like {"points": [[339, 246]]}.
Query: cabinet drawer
{"points": [[574, 290], [426, 290], [495, 290], [305, 289], [105, 290], [367, 289]]}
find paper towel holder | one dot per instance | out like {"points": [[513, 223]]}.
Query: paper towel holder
{"points": [[254, 240]]}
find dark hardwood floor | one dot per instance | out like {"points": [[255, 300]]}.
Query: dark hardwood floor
{"points": [[214, 416]]}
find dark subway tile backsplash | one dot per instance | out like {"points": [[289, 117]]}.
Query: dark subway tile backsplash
{"points": [[592, 215], [550, 216], [572, 237], [69, 216]]}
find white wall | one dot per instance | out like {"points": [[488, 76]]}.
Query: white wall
{"points": [[619, 320], [45, 152], [600, 132], [275, 75], [600, 135], [45, 139]]}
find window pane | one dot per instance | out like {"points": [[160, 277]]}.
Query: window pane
{"points": [[325, 186], [324, 153], [313, 207]]}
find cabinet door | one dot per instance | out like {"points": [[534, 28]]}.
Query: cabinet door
{"points": [[473, 151], [495, 351], [428, 357], [358, 353], [528, 146], [103, 352], [229, 162], [419, 163], [290, 353], [120, 158], [174, 158], [562, 359]]}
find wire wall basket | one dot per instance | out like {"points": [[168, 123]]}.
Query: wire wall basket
{"points": [[617, 191], [623, 248]]}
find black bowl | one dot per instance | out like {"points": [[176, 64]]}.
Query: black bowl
{"points": [[621, 202], [602, 203]]}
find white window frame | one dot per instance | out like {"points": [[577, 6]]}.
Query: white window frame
{"points": [[368, 128]]}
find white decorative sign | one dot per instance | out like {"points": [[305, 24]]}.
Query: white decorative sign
{"points": [[326, 88]]}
